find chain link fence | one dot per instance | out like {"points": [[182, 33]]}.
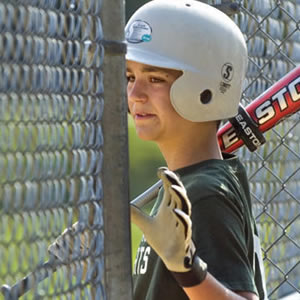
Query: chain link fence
{"points": [[273, 37], [272, 31], [54, 60], [56, 64]]}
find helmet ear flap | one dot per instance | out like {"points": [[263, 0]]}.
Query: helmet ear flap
{"points": [[198, 98], [194, 97]]}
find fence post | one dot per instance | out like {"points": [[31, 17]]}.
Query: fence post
{"points": [[117, 245]]}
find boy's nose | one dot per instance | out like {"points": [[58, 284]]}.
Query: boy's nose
{"points": [[137, 92]]}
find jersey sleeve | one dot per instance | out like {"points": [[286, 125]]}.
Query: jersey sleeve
{"points": [[220, 236]]}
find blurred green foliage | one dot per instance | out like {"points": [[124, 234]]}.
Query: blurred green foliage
{"points": [[132, 5], [144, 159]]}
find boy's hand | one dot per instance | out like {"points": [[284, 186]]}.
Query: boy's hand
{"points": [[169, 232]]}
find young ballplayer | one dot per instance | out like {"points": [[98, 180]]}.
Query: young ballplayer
{"points": [[186, 63]]}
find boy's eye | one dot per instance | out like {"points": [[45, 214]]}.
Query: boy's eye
{"points": [[156, 80], [130, 78]]}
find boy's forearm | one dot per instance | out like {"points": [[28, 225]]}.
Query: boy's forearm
{"points": [[211, 289]]}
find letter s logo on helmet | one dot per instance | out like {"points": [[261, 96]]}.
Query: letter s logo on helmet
{"points": [[202, 42]]}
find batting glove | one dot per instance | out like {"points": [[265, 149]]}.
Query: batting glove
{"points": [[169, 232]]}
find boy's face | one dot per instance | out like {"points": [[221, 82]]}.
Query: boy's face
{"points": [[148, 92]]}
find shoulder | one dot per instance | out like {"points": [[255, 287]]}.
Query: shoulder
{"points": [[217, 184], [216, 177]]}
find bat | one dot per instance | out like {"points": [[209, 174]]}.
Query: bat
{"points": [[25, 284], [72, 243], [278, 102], [274, 105]]}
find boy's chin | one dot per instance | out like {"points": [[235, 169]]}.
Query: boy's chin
{"points": [[146, 136]]}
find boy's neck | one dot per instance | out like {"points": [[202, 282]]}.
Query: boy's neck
{"points": [[191, 149]]}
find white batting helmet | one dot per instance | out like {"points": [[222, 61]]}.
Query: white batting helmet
{"points": [[199, 40]]}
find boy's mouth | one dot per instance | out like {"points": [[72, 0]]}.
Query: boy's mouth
{"points": [[143, 116]]}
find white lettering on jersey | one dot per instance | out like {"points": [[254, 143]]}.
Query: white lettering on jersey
{"points": [[141, 260], [144, 266]]}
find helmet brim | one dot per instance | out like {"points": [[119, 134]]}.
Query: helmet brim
{"points": [[154, 59]]}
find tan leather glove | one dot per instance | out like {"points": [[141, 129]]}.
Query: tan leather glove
{"points": [[169, 232]]}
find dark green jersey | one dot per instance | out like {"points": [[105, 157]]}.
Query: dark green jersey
{"points": [[224, 233]]}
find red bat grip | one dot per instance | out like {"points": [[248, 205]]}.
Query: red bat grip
{"points": [[275, 104]]}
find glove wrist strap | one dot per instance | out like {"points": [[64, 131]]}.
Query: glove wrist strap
{"points": [[195, 276]]}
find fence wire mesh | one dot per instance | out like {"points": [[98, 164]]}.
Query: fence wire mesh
{"points": [[272, 31], [272, 34], [51, 104]]}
